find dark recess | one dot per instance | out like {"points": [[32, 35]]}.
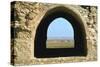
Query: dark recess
{"points": [[41, 36]]}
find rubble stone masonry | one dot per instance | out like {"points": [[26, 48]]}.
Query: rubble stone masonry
{"points": [[25, 18]]}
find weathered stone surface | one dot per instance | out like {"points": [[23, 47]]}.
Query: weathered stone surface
{"points": [[27, 17]]}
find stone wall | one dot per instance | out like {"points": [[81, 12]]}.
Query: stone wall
{"points": [[25, 18]]}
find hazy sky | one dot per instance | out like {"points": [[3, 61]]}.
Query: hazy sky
{"points": [[59, 28]]}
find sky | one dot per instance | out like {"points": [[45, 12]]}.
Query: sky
{"points": [[60, 28]]}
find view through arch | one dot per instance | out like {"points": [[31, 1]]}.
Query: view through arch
{"points": [[80, 42], [60, 34]]}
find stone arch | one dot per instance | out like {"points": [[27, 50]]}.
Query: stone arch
{"points": [[80, 34]]}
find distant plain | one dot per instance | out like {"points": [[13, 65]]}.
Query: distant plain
{"points": [[59, 43]]}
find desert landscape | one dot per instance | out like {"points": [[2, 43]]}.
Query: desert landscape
{"points": [[60, 43]]}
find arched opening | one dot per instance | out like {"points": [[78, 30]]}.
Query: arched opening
{"points": [[80, 42], [60, 34]]}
